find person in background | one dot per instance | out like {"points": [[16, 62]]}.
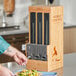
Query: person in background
{"points": [[7, 49]]}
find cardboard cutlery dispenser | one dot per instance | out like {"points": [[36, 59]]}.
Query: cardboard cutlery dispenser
{"points": [[45, 47]]}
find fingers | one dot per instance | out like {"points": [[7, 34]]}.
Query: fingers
{"points": [[17, 60], [11, 74], [24, 62], [22, 58]]}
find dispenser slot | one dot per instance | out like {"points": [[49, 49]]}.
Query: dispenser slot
{"points": [[46, 28], [33, 27], [39, 28]]}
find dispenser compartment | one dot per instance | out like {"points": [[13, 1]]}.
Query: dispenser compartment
{"points": [[33, 27], [39, 28], [37, 52], [46, 28]]}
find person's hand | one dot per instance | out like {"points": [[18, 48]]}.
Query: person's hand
{"points": [[16, 55], [20, 58], [5, 72]]}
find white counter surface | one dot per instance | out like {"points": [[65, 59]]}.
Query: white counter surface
{"points": [[69, 64]]}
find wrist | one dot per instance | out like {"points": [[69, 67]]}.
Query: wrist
{"points": [[11, 51]]}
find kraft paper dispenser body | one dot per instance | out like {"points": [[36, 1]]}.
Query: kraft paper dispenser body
{"points": [[45, 48]]}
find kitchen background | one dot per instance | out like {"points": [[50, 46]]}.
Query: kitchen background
{"points": [[16, 32]]}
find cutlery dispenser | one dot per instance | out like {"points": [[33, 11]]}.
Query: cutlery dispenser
{"points": [[45, 48]]}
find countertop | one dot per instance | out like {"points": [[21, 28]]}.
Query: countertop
{"points": [[66, 26], [23, 29], [69, 65], [69, 68]]}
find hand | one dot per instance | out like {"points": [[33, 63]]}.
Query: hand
{"points": [[5, 72], [17, 56], [20, 58]]}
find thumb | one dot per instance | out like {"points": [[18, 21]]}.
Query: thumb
{"points": [[11, 74]]}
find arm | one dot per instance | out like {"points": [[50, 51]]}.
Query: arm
{"points": [[10, 51], [7, 49], [3, 45], [16, 55]]}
